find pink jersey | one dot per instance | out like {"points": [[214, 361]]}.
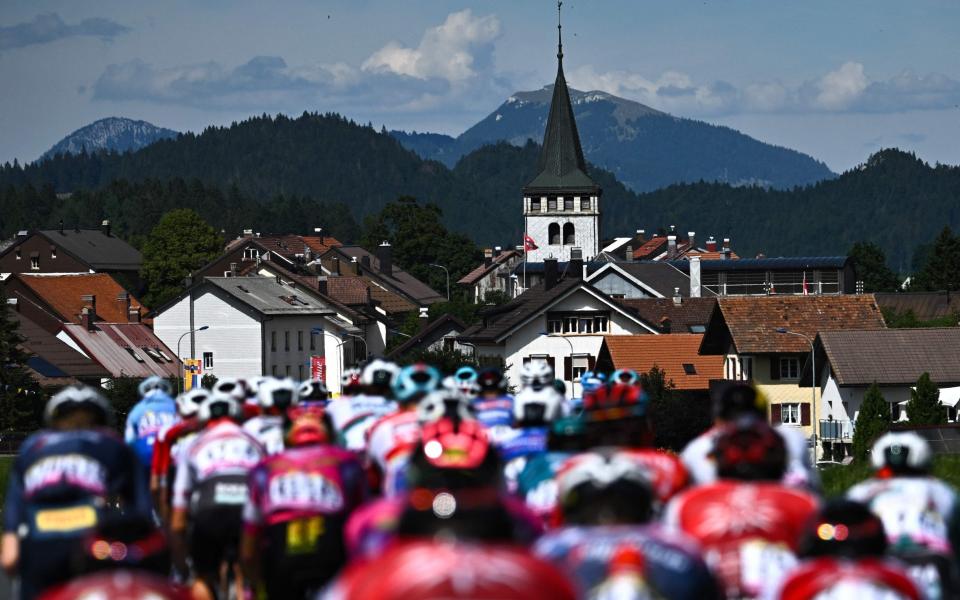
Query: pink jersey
{"points": [[749, 531], [390, 441]]}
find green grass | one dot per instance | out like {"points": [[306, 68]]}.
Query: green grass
{"points": [[838, 478]]}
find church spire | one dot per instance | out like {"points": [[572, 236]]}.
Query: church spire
{"points": [[559, 33]]}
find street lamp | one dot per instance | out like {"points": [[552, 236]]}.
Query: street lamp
{"points": [[573, 381], [445, 270], [180, 379], [813, 389], [359, 337]]}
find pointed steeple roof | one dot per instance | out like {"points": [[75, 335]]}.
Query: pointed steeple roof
{"points": [[561, 165]]}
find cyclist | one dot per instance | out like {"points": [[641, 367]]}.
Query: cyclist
{"points": [[274, 397], [607, 501], [493, 405], [919, 512], [62, 483], [296, 511], [154, 413], [748, 523], [354, 415], [465, 380], [210, 490], [350, 382], [168, 446], [843, 550], [313, 393]]}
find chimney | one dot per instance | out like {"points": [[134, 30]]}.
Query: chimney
{"points": [[365, 261], [133, 315], [90, 301], [105, 227], [322, 285], [125, 298], [695, 277], [692, 238], [711, 245], [247, 233], [87, 318], [575, 266], [671, 247], [385, 256], [61, 225], [497, 250], [725, 249], [550, 273], [673, 229], [487, 256], [233, 269], [307, 253], [423, 318], [642, 235], [629, 253], [335, 267], [677, 298]]}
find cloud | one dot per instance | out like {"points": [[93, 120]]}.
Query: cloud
{"points": [[44, 29]]}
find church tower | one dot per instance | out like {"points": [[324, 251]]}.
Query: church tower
{"points": [[561, 206]]}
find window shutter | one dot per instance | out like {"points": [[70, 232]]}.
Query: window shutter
{"points": [[804, 414], [591, 363], [567, 368], [774, 367], [553, 363], [775, 414]]}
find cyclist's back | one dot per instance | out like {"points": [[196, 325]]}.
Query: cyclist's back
{"points": [[353, 416], [153, 414]]}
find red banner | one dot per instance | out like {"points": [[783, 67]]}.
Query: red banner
{"points": [[318, 368]]}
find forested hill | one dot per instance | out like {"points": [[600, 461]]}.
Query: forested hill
{"points": [[275, 169]]}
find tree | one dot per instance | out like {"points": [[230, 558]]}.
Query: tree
{"points": [[21, 398], [180, 243], [872, 421], [924, 406], [941, 270], [871, 265], [676, 419]]}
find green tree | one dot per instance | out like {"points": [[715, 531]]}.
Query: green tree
{"points": [[941, 271], [872, 421], [180, 243], [21, 398], [924, 406], [871, 265], [676, 419]]}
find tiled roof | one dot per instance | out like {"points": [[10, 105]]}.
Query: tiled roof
{"points": [[63, 294], [650, 248], [45, 345], [690, 312], [430, 334], [500, 320], [924, 305], [399, 279], [668, 352], [117, 346], [892, 356], [348, 289], [102, 252], [480, 272], [705, 255], [752, 321], [390, 302]]}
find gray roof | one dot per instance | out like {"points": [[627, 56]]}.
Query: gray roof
{"points": [[101, 252], [924, 305], [268, 297], [764, 264], [399, 279], [661, 276]]}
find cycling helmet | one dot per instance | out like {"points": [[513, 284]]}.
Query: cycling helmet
{"points": [[560, 387], [307, 429], [278, 394], [625, 376], [231, 386], [350, 381], [413, 382], [533, 408], [455, 444], [845, 529], [604, 486], [615, 401], [188, 403], [732, 400], [253, 384], [75, 397], [219, 405], [152, 384], [492, 381], [536, 374], [444, 403], [379, 372], [466, 377], [750, 450], [591, 381], [313, 391], [901, 453]]}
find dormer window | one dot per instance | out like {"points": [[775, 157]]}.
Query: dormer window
{"points": [[249, 254]]}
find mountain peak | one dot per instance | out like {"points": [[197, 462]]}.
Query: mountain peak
{"points": [[110, 134]]}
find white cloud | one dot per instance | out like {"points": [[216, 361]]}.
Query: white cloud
{"points": [[839, 89], [44, 29]]}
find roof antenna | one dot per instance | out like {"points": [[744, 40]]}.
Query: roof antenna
{"points": [[559, 33]]}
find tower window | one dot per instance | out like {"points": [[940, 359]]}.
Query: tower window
{"points": [[584, 203], [551, 204], [568, 204], [568, 233], [535, 204], [553, 233]]}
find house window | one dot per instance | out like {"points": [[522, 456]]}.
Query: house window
{"points": [[789, 368], [273, 370], [313, 340], [286, 371], [286, 341], [249, 254], [580, 322], [555, 326], [300, 341], [790, 414], [35, 263], [579, 365], [568, 235], [535, 204], [584, 203], [746, 368], [551, 204], [568, 204], [553, 234], [208, 360], [300, 372], [273, 341]]}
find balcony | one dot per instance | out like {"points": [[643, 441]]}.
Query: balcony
{"points": [[836, 431]]}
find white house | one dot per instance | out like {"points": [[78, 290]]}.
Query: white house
{"points": [[258, 326]]}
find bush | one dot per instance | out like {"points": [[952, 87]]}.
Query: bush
{"points": [[676, 418], [873, 421], [924, 406]]}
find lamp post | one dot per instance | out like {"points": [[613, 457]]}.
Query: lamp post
{"points": [[359, 337], [573, 381], [445, 270], [813, 382], [180, 379]]}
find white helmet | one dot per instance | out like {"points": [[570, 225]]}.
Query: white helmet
{"points": [[153, 384], [74, 396], [231, 386], [219, 405], [444, 403], [253, 384], [536, 374], [313, 390], [902, 452], [188, 403], [277, 393], [379, 373], [601, 469], [533, 407]]}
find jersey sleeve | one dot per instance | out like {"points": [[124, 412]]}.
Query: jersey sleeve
{"points": [[252, 511], [130, 431], [183, 483], [13, 514]]}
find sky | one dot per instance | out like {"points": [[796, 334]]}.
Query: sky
{"points": [[836, 79]]}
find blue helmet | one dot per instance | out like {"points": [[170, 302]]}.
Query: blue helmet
{"points": [[590, 381], [413, 382], [627, 376], [154, 384]]}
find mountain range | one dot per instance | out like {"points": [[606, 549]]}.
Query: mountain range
{"points": [[111, 134], [646, 149]]}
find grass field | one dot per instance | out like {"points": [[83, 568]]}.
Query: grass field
{"points": [[838, 478]]}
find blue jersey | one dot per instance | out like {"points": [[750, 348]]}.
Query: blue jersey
{"points": [[494, 412], [62, 481], [151, 416]]}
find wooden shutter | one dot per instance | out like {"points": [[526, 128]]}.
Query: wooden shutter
{"points": [[775, 414], [804, 414], [552, 362], [774, 367], [567, 368], [591, 363]]}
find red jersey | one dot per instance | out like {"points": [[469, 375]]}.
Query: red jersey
{"points": [[167, 444], [869, 579], [749, 531]]}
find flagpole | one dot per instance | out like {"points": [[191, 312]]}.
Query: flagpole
{"points": [[524, 250]]}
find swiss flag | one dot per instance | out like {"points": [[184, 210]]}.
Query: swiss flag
{"points": [[529, 244]]}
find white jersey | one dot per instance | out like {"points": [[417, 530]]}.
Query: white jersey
{"points": [[352, 416], [800, 472], [268, 430]]}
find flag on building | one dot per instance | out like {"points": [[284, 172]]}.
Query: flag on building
{"points": [[528, 243], [805, 291]]}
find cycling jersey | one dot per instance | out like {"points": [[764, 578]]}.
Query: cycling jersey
{"points": [[390, 441], [494, 412], [673, 566], [165, 459], [148, 418], [749, 531], [298, 505], [268, 430], [536, 484], [516, 447], [353, 416], [827, 578]]}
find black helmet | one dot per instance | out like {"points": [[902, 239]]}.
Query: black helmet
{"points": [[846, 529], [750, 450], [492, 381]]}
